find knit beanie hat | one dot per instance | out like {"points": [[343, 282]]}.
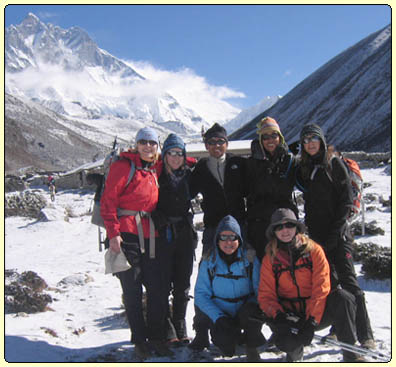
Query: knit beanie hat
{"points": [[267, 125], [173, 141], [313, 129], [216, 131], [147, 133]]}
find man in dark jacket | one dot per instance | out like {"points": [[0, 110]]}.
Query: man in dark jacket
{"points": [[217, 178]]}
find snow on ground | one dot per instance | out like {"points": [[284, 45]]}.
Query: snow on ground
{"points": [[86, 321]]}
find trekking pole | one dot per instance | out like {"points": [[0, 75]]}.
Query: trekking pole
{"points": [[100, 240], [353, 348]]}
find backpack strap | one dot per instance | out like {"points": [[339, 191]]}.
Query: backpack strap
{"points": [[278, 269]]}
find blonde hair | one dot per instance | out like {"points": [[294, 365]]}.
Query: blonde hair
{"points": [[301, 239]]}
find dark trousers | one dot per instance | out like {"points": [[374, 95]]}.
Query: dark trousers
{"points": [[226, 340], [256, 236], [150, 274], [340, 311], [181, 259], [342, 260]]}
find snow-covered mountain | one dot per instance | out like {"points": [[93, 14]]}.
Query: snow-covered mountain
{"points": [[64, 70], [248, 114], [349, 97]]}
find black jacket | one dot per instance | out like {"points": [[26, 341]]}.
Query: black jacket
{"points": [[269, 184], [173, 201], [218, 201], [328, 199]]}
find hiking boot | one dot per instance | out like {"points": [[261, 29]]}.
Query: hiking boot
{"points": [[332, 335], [352, 357], [252, 355], [368, 344], [181, 331], [296, 355], [161, 349], [201, 341], [142, 350]]}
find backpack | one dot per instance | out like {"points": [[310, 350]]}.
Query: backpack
{"points": [[96, 217], [356, 180]]}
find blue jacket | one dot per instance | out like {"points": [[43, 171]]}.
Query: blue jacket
{"points": [[211, 290]]}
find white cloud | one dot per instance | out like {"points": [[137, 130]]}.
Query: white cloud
{"points": [[190, 89], [287, 73]]}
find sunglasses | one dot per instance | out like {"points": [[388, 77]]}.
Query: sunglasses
{"points": [[314, 138], [149, 142], [228, 237], [174, 153], [269, 137], [279, 227], [217, 142]]}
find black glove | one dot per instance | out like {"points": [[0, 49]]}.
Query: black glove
{"points": [[159, 219], [225, 323], [282, 324], [306, 332]]}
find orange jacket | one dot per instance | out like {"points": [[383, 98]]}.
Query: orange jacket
{"points": [[141, 195], [313, 283]]}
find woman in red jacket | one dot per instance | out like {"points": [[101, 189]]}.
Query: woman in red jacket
{"points": [[126, 211], [294, 290]]}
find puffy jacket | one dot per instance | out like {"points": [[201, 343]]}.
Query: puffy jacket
{"points": [[269, 183], [312, 283], [220, 201], [141, 194], [328, 199], [212, 289]]}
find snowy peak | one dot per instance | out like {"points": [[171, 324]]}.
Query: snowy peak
{"points": [[349, 97], [65, 70]]}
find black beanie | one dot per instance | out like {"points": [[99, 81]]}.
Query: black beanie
{"points": [[216, 131], [312, 129]]}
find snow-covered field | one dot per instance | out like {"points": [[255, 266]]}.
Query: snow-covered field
{"points": [[86, 321]]}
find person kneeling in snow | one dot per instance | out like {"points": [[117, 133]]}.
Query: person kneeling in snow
{"points": [[226, 289], [295, 292]]}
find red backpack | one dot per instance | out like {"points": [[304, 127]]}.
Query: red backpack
{"points": [[357, 184]]}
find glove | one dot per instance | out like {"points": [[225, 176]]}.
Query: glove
{"points": [[282, 324], [306, 332], [159, 219], [225, 323]]}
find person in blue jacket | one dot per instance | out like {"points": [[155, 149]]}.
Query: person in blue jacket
{"points": [[226, 292]]}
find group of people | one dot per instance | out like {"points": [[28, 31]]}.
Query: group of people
{"points": [[259, 263]]}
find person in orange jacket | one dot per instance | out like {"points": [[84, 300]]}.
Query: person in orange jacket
{"points": [[295, 291], [126, 211]]}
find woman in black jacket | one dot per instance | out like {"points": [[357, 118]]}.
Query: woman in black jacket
{"points": [[269, 182], [327, 192], [173, 219]]}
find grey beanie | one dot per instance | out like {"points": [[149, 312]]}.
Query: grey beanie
{"points": [[147, 133], [280, 216]]}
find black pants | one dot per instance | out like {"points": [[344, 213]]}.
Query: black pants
{"points": [[226, 340], [256, 236], [149, 273], [342, 260], [181, 259], [340, 311]]}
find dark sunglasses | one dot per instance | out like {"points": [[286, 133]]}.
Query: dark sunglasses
{"points": [[314, 138], [269, 137], [228, 237], [217, 142], [279, 227], [174, 153], [149, 142]]}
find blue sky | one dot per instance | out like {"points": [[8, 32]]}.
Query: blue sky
{"points": [[253, 50]]}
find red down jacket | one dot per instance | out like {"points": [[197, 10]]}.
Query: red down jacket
{"points": [[140, 195]]}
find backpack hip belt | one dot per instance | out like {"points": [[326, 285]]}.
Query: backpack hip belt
{"points": [[138, 217], [235, 299]]}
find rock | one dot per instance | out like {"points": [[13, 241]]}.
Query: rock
{"points": [[24, 204], [75, 279], [23, 293], [376, 260], [14, 183]]}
